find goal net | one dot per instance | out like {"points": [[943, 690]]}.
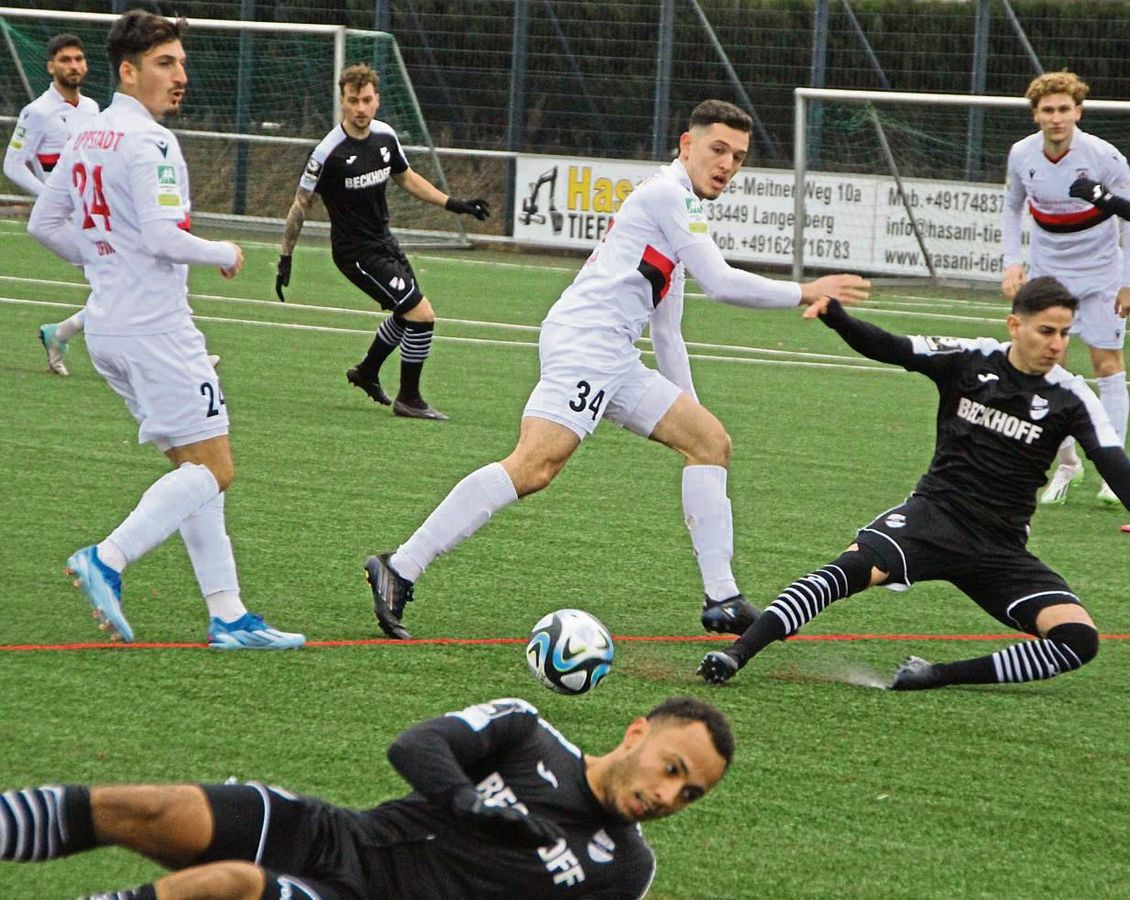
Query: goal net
{"points": [[260, 96], [906, 184]]}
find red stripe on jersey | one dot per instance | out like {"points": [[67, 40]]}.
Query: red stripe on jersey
{"points": [[47, 160], [185, 224], [660, 275], [1063, 222]]}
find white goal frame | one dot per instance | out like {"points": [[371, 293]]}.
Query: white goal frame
{"points": [[803, 96]]}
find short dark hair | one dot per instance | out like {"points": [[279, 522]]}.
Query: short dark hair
{"points": [[1042, 293], [357, 76], [59, 41], [710, 111], [691, 709], [136, 33]]}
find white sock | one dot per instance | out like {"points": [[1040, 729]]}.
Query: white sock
{"points": [[225, 606], [209, 548], [706, 510], [69, 327], [169, 501], [1116, 401], [1067, 455], [463, 512]]}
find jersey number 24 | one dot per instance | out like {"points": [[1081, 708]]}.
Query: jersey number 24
{"points": [[97, 205]]}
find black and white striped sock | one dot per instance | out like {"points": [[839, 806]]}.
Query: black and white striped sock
{"points": [[803, 600], [1065, 648], [414, 349], [42, 823], [388, 338]]}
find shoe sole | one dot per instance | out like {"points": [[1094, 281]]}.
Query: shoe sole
{"points": [[108, 618], [392, 628], [236, 645], [55, 368], [715, 673]]}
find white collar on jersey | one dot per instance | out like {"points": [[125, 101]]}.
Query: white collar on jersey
{"points": [[680, 172], [126, 102]]}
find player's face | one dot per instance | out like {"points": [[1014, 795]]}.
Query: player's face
{"points": [[712, 155], [668, 765], [1039, 340], [359, 105], [159, 79], [1056, 115], [67, 68]]}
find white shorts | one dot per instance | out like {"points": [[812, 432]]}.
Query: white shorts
{"points": [[1097, 323], [167, 382], [588, 374]]}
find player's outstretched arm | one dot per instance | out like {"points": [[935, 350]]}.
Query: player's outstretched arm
{"points": [[863, 337], [422, 189], [1098, 195], [163, 239]]}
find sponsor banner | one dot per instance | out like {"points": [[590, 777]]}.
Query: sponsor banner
{"points": [[852, 222]]}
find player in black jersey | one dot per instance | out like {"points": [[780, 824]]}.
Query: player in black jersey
{"points": [[1003, 411], [503, 806], [350, 169]]}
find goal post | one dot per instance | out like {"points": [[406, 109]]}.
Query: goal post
{"points": [[911, 184], [260, 97]]}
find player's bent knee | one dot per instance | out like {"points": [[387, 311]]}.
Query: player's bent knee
{"points": [[1079, 640], [856, 566]]}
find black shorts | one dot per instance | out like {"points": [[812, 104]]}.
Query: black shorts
{"points": [[384, 273], [923, 541], [315, 850]]}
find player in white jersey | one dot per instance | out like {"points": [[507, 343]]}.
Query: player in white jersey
{"points": [[40, 135], [591, 369], [118, 204], [1077, 243]]}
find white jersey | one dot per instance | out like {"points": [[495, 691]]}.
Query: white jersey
{"points": [[121, 171], [637, 263], [1070, 239], [42, 130]]}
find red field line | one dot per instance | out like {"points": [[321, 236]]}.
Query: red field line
{"points": [[466, 642]]}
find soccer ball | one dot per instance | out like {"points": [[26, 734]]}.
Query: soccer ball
{"points": [[569, 651]]}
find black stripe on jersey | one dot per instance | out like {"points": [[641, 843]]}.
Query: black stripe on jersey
{"points": [[1049, 224], [657, 269]]}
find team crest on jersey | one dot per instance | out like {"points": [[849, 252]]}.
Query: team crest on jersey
{"points": [[601, 847], [385, 155], [1039, 408], [895, 520]]}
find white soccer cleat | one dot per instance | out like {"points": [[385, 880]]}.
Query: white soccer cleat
{"points": [[1056, 491], [1108, 497], [214, 360]]}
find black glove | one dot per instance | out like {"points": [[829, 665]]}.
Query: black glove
{"points": [[282, 276], [1085, 189], [504, 822], [478, 207]]}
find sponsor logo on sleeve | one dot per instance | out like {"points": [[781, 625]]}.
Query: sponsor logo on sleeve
{"points": [[313, 168], [168, 191], [697, 216], [18, 137]]}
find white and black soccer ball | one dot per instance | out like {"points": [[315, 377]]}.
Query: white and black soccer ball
{"points": [[570, 651]]}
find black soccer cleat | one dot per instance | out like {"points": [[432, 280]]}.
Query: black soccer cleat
{"points": [[417, 409], [370, 386], [718, 666], [731, 616], [390, 593], [915, 674]]}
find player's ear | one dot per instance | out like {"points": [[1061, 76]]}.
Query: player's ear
{"points": [[685, 144], [1012, 323], [635, 732]]}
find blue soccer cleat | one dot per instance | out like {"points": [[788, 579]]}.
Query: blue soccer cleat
{"points": [[103, 588], [56, 349], [250, 632]]}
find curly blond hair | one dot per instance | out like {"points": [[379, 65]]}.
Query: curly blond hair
{"points": [[1062, 82]]}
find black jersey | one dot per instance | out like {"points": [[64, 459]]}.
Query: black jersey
{"points": [[998, 429], [513, 757], [351, 175]]}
